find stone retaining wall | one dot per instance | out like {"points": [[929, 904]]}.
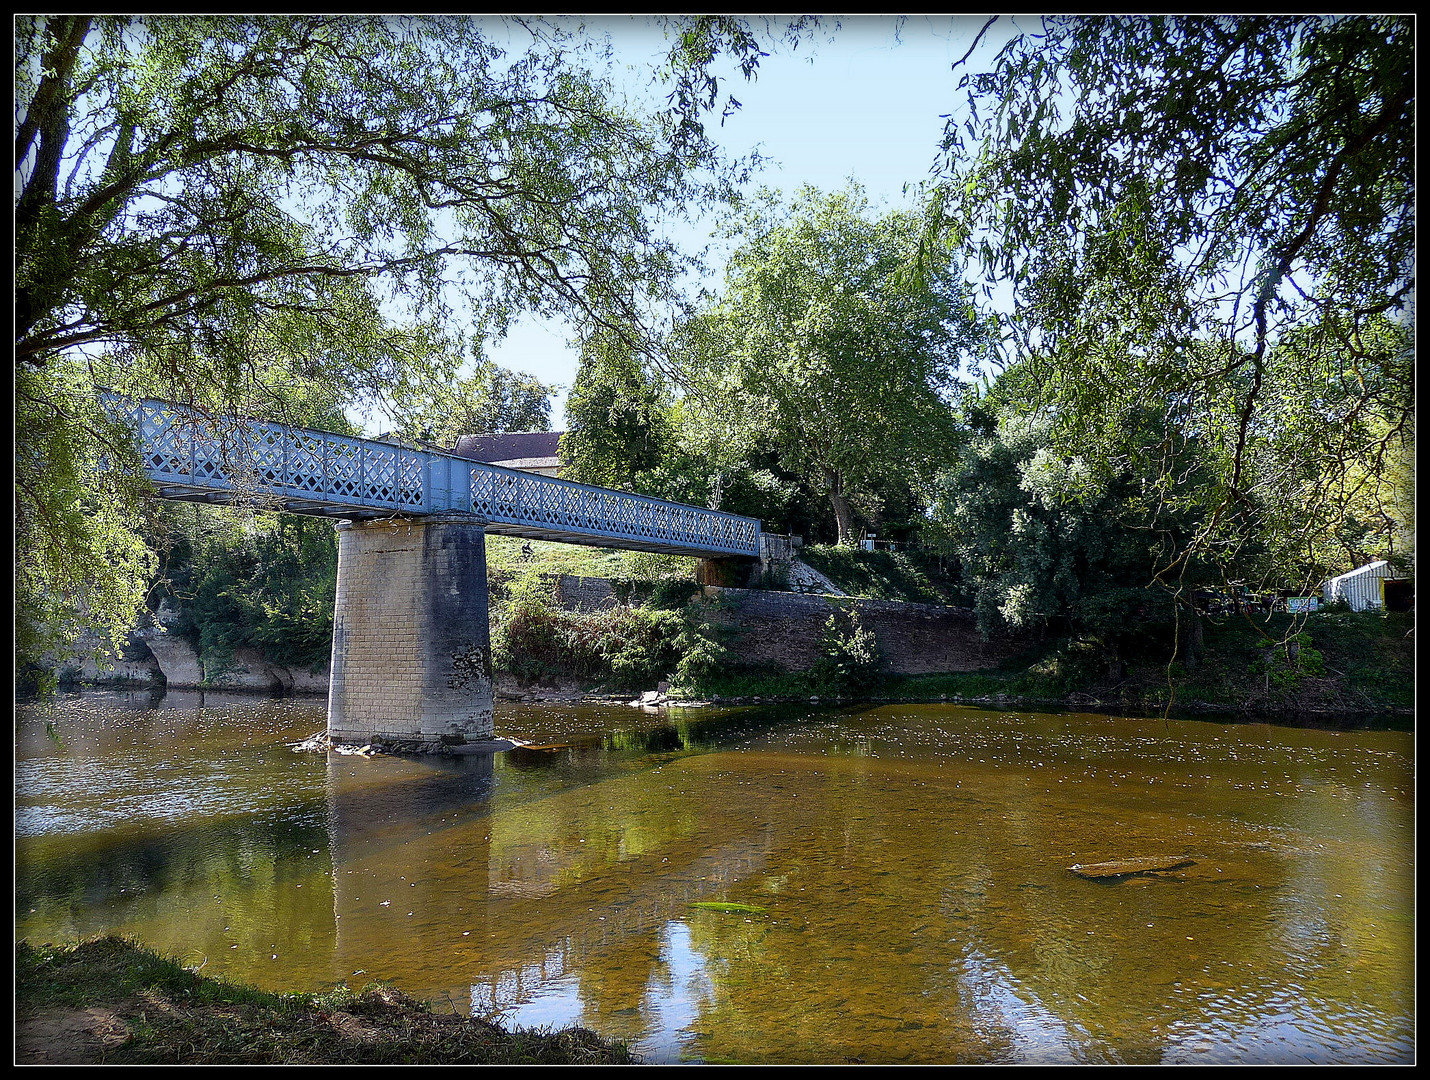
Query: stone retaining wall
{"points": [[584, 593], [784, 628], [765, 627], [916, 639]]}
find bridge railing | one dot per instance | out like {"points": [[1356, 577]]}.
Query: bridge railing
{"points": [[189, 453], [183, 448], [510, 496]]}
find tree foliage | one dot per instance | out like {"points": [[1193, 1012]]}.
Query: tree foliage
{"points": [[492, 399], [182, 174], [265, 581], [1335, 467], [823, 349], [1045, 541], [243, 213], [618, 423], [1211, 216]]}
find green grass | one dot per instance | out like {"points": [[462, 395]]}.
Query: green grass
{"points": [[505, 559], [881, 575], [168, 1014]]}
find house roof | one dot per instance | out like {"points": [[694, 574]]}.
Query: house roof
{"points": [[1379, 568], [526, 447]]}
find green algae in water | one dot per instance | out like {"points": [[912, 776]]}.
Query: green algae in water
{"points": [[739, 909]]}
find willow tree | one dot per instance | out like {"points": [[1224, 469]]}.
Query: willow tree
{"points": [[1207, 217], [824, 348], [245, 212]]}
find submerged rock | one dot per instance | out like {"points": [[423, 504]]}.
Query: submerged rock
{"points": [[1117, 868]]}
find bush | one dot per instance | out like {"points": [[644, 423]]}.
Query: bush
{"points": [[850, 655], [623, 647]]}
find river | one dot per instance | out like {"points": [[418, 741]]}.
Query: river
{"points": [[782, 884]]}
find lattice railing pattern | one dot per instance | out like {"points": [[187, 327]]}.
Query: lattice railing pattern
{"points": [[184, 451], [182, 448], [545, 503]]}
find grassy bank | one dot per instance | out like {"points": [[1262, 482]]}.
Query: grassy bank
{"points": [[911, 576], [111, 1001]]}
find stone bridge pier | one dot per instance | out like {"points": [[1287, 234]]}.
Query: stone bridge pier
{"points": [[411, 644]]}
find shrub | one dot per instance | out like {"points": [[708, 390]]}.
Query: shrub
{"points": [[850, 656], [623, 647]]}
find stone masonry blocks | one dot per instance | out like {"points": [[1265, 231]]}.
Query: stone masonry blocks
{"points": [[411, 646]]}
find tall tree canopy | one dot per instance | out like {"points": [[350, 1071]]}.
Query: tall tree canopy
{"points": [[243, 212], [828, 351], [617, 417], [491, 399], [1211, 212]]}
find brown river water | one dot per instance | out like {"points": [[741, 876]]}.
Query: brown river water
{"points": [[781, 884]]}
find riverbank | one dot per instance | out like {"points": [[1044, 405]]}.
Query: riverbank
{"points": [[1330, 664], [113, 1002], [1336, 665]]}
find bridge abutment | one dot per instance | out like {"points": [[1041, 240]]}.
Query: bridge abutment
{"points": [[730, 572], [411, 642]]}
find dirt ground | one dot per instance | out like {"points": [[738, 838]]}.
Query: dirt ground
{"points": [[66, 1036]]}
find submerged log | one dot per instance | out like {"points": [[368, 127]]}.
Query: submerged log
{"points": [[1127, 867]]}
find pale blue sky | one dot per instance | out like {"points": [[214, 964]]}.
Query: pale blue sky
{"points": [[864, 101]]}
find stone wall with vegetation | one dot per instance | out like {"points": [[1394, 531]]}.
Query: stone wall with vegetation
{"points": [[784, 629]]}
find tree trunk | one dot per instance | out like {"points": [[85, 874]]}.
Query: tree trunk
{"points": [[1189, 638], [843, 516]]}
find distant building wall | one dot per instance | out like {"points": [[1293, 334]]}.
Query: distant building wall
{"points": [[1362, 588]]}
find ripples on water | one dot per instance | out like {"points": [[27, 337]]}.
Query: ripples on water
{"points": [[894, 880]]}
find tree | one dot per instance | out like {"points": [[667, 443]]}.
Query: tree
{"points": [[1173, 201], [1335, 464], [826, 351], [491, 399], [243, 212], [264, 580], [617, 419], [1047, 541]]}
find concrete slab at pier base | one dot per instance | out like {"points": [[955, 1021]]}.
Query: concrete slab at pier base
{"points": [[411, 645]]}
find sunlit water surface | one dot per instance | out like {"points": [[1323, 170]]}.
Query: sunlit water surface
{"points": [[909, 864]]}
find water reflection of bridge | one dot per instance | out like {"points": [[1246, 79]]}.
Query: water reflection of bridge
{"points": [[503, 891]]}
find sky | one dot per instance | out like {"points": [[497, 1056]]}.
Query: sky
{"points": [[864, 101]]}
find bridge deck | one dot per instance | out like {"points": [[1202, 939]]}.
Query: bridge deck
{"points": [[195, 458]]}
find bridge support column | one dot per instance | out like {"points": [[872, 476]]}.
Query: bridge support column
{"points": [[411, 644]]}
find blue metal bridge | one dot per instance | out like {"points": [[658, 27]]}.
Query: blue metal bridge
{"points": [[198, 458]]}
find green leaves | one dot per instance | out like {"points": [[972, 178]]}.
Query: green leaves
{"points": [[1198, 199], [253, 213], [1048, 540], [80, 560], [491, 399], [826, 348], [619, 427]]}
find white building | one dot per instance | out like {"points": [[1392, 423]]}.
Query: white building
{"points": [[1364, 588]]}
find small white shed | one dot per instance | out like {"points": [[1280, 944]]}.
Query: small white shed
{"points": [[1362, 588]]}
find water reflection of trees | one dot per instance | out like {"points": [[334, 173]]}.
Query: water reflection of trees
{"points": [[960, 887], [919, 904]]}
